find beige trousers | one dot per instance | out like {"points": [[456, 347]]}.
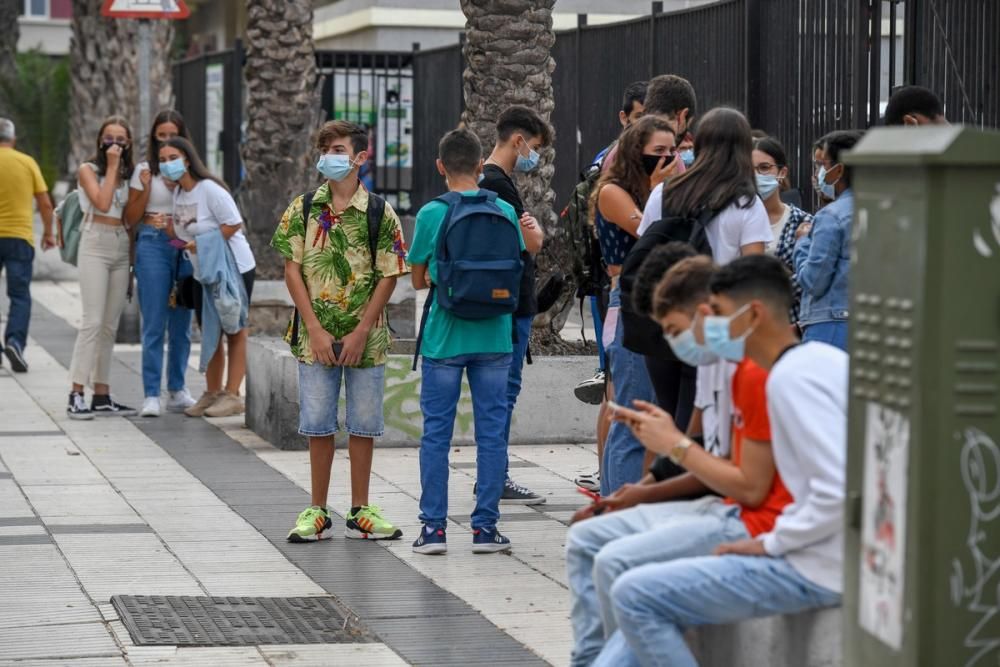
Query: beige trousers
{"points": [[103, 270]]}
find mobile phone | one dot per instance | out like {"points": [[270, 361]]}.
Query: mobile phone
{"points": [[338, 347], [590, 494], [177, 243]]}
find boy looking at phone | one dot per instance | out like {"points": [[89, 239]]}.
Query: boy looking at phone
{"points": [[343, 249]]}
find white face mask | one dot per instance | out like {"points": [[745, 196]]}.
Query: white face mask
{"points": [[688, 349]]}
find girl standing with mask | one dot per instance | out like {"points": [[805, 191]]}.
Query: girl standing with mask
{"points": [[202, 205], [771, 165], [103, 264], [159, 264]]}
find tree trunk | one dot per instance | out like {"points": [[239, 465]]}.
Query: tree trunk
{"points": [[9, 34], [104, 62], [283, 109], [508, 61]]}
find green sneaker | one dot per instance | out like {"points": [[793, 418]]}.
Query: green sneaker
{"points": [[369, 524], [312, 524]]}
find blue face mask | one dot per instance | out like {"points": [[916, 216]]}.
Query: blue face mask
{"points": [[689, 350], [766, 185], [688, 157], [718, 340], [826, 189], [174, 169], [334, 167], [526, 164]]}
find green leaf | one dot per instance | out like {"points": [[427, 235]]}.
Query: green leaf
{"points": [[342, 268]]}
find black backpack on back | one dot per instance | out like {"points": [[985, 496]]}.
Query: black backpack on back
{"points": [[641, 334]]}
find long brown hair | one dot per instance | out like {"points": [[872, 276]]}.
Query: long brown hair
{"points": [[125, 164], [722, 173], [153, 146], [196, 167], [628, 172]]}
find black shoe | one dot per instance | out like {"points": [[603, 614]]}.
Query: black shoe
{"points": [[104, 406], [17, 362], [77, 408], [515, 494], [591, 390]]}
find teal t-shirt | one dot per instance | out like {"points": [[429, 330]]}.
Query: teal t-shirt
{"points": [[446, 335]]}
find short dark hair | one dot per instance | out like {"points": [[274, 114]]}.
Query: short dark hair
{"points": [[460, 151], [635, 92], [657, 262], [669, 94], [684, 286], [772, 147], [909, 100], [760, 277], [342, 129], [518, 118], [839, 142]]}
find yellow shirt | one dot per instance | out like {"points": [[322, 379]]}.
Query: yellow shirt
{"points": [[22, 180]]}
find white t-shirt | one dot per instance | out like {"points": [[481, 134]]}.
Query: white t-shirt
{"points": [[207, 207], [714, 397], [161, 198], [729, 231], [776, 228]]}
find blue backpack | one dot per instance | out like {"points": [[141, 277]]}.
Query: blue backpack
{"points": [[478, 259]]}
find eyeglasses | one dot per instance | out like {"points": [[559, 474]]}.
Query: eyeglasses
{"points": [[767, 167], [107, 141]]}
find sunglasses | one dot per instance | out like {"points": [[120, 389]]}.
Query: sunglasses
{"points": [[107, 141]]}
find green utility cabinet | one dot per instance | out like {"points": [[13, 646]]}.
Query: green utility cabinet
{"points": [[922, 564]]}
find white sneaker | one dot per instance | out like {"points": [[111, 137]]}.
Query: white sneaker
{"points": [[150, 407], [180, 400]]}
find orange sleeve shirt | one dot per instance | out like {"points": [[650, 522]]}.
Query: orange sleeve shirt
{"points": [[750, 421]]}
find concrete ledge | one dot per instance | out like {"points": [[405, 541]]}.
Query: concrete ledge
{"points": [[810, 639], [547, 411]]}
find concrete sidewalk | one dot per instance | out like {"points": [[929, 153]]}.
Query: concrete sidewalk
{"points": [[191, 507]]}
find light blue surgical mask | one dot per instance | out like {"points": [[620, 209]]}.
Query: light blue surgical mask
{"points": [[526, 164], [688, 157], [334, 167], [766, 185], [689, 350], [826, 189], [718, 340], [174, 169]]}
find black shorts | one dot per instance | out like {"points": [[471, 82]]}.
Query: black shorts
{"points": [[248, 280]]}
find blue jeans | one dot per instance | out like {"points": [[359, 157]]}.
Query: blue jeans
{"points": [[595, 312], [601, 549], [833, 333], [654, 604], [522, 325], [16, 256], [439, 394], [156, 270], [319, 398], [623, 453]]}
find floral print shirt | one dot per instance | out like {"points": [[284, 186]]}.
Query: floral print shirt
{"points": [[332, 248]]}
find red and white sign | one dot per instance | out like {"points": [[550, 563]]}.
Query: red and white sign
{"points": [[145, 9]]}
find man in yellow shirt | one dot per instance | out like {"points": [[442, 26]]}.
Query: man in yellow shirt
{"points": [[22, 182]]}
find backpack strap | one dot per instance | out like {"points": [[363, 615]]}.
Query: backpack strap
{"points": [[423, 323], [376, 211], [307, 200]]}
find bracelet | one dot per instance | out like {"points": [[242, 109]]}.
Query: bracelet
{"points": [[679, 451]]}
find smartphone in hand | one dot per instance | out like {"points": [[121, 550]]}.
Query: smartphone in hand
{"points": [[177, 243]]}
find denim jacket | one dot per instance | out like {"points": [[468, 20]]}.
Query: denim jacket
{"points": [[225, 307], [822, 263]]}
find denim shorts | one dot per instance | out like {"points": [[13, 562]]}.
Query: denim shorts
{"points": [[319, 399]]}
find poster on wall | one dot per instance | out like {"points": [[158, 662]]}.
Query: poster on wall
{"points": [[883, 525], [214, 110]]}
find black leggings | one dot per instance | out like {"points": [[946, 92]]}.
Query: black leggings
{"points": [[674, 383]]}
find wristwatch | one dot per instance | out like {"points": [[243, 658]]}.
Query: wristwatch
{"points": [[679, 451]]}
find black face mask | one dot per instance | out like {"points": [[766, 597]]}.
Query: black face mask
{"points": [[651, 162]]}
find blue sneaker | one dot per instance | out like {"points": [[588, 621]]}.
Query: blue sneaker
{"points": [[431, 541], [488, 541]]}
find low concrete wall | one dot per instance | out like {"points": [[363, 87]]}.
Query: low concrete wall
{"points": [[811, 639], [547, 410]]}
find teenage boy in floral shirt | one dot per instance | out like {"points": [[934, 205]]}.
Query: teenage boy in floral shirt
{"points": [[341, 332]]}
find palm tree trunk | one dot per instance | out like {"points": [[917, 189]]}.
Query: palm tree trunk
{"points": [[9, 34], [104, 60], [509, 61], [283, 112]]}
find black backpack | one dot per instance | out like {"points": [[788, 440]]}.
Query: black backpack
{"points": [[376, 211], [640, 333]]}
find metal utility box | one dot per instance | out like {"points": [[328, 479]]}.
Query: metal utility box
{"points": [[922, 565]]}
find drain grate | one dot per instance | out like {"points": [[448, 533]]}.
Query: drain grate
{"points": [[233, 621]]}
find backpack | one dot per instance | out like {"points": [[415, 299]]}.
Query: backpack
{"points": [[478, 259], [376, 211], [70, 217], [640, 333], [587, 267]]}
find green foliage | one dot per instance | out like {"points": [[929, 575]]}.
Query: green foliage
{"points": [[37, 99]]}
